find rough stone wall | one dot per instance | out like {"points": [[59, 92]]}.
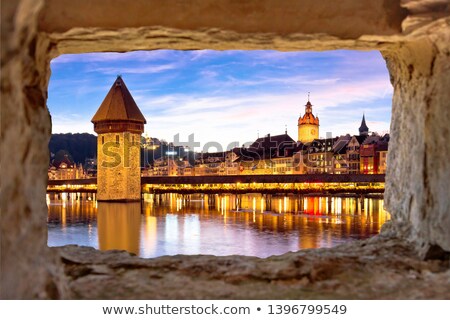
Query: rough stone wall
{"points": [[376, 268], [413, 36], [418, 168], [85, 26], [28, 269], [118, 170], [347, 20]]}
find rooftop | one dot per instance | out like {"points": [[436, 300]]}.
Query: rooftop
{"points": [[118, 105]]}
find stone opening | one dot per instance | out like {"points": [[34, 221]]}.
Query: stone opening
{"points": [[91, 68], [413, 36]]}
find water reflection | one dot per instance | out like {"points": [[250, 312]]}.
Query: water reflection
{"points": [[119, 226], [250, 224]]}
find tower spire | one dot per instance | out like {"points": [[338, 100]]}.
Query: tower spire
{"points": [[308, 105], [308, 124], [363, 129]]}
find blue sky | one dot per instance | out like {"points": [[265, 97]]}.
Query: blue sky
{"points": [[226, 96]]}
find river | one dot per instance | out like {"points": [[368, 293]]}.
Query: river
{"points": [[249, 224]]}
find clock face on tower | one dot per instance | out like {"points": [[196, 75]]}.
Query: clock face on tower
{"points": [[313, 131]]}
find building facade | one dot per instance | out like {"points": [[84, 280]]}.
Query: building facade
{"points": [[382, 156], [339, 162], [352, 153], [368, 159], [65, 170], [319, 156]]}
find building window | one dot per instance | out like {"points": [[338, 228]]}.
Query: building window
{"points": [[117, 138], [103, 140]]}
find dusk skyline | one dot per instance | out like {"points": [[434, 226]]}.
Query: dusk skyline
{"points": [[226, 96]]}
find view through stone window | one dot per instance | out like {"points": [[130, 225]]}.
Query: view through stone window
{"points": [[254, 153]]}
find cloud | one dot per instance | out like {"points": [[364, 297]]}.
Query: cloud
{"points": [[208, 74], [135, 70], [202, 54], [290, 81], [66, 123]]}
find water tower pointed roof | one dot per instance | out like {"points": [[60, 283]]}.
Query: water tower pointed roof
{"points": [[118, 105]]}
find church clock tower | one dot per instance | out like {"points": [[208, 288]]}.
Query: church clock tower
{"points": [[119, 124], [308, 125]]}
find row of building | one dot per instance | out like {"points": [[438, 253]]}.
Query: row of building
{"points": [[280, 154], [364, 154]]}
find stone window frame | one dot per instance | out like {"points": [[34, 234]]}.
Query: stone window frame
{"points": [[412, 37]]}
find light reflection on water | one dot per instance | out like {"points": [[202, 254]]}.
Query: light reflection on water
{"points": [[249, 224]]}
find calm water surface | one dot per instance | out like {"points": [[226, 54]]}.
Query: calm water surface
{"points": [[250, 224]]}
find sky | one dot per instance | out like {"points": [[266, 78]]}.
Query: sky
{"points": [[226, 97]]}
